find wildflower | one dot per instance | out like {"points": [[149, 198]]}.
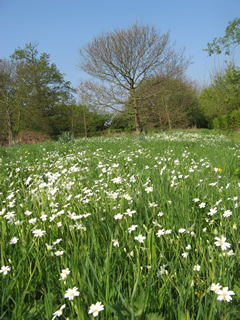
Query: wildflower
{"points": [[38, 232], [224, 294], [222, 242], [215, 287], [185, 254], [71, 293], [182, 230], [227, 213], [230, 253], [196, 268], [160, 214], [129, 212], [149, 189], [58, 313], [132, 228], [96, 308], [188, 247], [115, 243], [196, 200], [160, 233], [59, 253], [5, 269], [140, 238], [202, 205], [234, 226], [117, 180], [118, 216], [212, 211], [14, 240], [162, 271], [64, 273]]}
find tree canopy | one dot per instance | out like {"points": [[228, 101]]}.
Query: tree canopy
{"points": [[122, 60], [228, 42]]}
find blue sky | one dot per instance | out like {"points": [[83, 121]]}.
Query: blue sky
{"points": [[61, 27]]}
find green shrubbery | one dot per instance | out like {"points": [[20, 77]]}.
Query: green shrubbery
{"points": [[229, 121]]}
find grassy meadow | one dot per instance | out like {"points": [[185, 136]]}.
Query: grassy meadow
{"points": [[124, 227]]}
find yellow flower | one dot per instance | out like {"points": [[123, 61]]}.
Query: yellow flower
{"points": [[26, 151], [219, 169]]}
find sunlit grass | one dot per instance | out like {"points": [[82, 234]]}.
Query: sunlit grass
{"points": [[128, 221]]}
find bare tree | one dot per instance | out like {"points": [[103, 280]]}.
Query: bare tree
{"points": [[122, 60]]}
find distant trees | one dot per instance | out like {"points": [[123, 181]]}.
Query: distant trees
{"points": [[125, 59]]}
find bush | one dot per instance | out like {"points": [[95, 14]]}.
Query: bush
{"points": [[229, 121], [66, 137]]}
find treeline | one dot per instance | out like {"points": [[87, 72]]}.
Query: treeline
{"points": [[35, 97]]}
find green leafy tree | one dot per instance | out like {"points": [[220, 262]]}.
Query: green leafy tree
{"points": [[230, 40], [43, 86], [223, 95]]}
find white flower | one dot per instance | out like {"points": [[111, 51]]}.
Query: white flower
{"points": [[58, 313], [222, 242], [149, 189], [140, 238], [59, 253], [160, 233], [71, 293], [132, 228], [188, 247], [64, 273], [38, 232], [196, 268], [118, 216], [212, 211], [162, 271], [224, 294], [185, 254], [227, 213], [230, 253], [115, 243], [215, 287], [129, 212], [96, 308], [202, 205], [14, 240], [5, 269], [182, 230]]}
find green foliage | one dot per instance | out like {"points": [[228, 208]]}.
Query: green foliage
{"points": [[222, 96], [66, 137], [230, 40], [228, 122]]}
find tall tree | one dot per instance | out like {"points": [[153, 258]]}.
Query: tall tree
{"points": [[44, 87], [122, 60], [228, 42]]}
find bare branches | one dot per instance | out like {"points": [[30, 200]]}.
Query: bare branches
{"points": [[122, 60]]}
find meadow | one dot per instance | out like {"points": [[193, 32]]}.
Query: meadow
{"points": [[124, 227]]}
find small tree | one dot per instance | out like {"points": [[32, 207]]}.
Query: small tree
{"points": [[122, 60]]}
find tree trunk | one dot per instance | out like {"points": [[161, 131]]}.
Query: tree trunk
{"points": [[84, 121], [136, 114]]}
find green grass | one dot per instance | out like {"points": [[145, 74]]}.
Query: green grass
{"points": [[74, 192]]}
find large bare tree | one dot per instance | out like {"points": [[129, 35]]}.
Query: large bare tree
{"points": [[122, 60]]}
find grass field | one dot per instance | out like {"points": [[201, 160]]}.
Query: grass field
{"points": [[125, 227]]}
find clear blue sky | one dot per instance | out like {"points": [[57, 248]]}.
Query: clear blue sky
{"points": [[61, 27]]}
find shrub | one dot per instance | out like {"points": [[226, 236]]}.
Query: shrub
{"points": [[66, 137]]}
